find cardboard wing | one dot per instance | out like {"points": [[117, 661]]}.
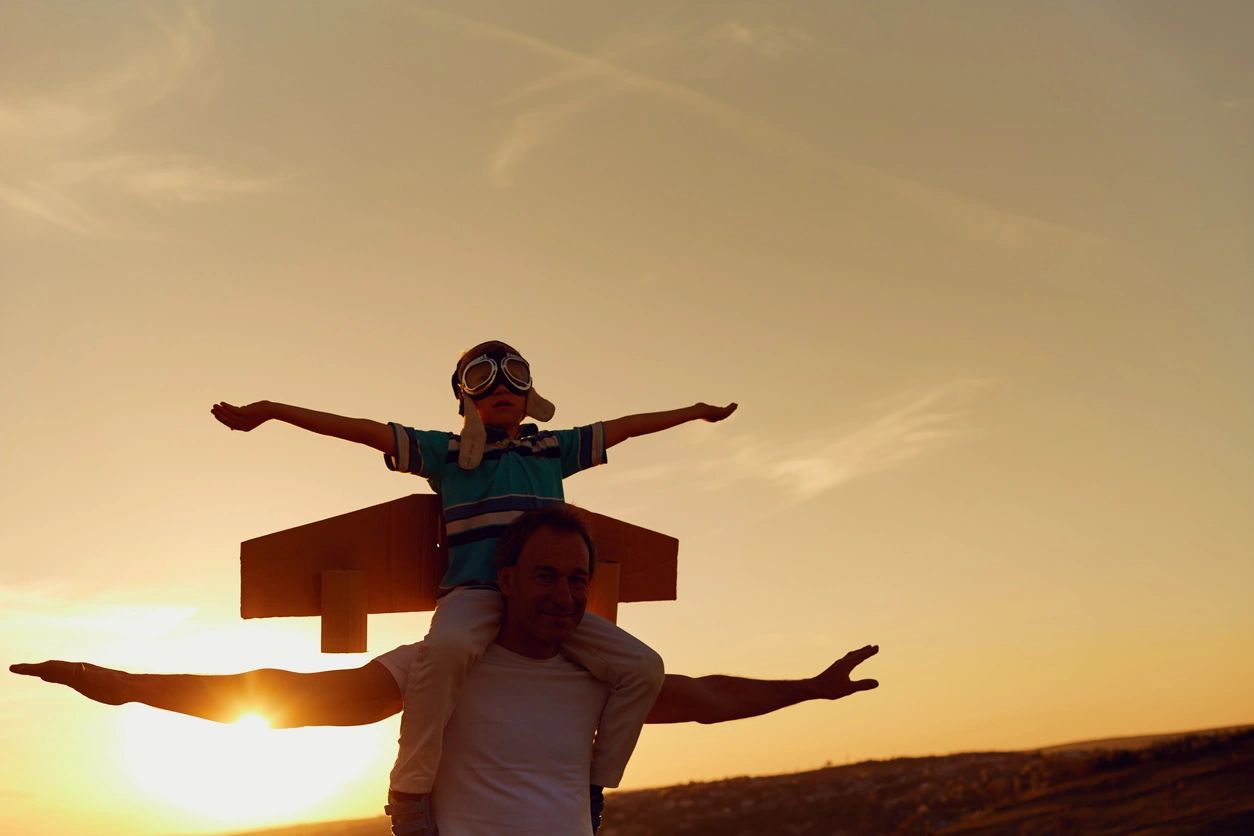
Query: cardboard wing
{"points": [[391, 557]]}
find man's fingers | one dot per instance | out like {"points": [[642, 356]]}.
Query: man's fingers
{"points": [[856, 657], [47, 671], [864, 684]]}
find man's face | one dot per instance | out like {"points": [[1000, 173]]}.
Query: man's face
{"points": [[547, 590]]}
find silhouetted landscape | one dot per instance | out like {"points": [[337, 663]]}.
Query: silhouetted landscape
{"points": [[1197, 783]]}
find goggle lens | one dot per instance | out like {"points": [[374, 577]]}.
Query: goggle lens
{"points": [[518, 372], [480, 374]]}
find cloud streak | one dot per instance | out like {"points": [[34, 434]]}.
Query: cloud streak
{"points": [[593, 78], [897, 431], [784, 472], [774, 42], [46, 610], [56, 166], [917, 424]]}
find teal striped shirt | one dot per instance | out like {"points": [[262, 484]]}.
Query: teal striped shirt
{"points": [[516, 475]]}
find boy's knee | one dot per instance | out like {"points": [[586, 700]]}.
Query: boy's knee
{"points": [[651, 668], [455, 649]]}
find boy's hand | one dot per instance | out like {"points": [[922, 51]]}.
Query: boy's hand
{"points": [[243, 418], [715, 413]]}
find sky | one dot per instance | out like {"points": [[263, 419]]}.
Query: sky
{"points": [[978, 274]]}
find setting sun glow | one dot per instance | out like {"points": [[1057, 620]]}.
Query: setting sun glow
{"points": [[243, 774]]}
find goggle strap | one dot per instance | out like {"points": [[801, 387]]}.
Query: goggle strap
{"points": [[538, 407], [474, 437]]}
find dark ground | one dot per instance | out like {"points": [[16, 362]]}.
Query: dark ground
{"points": [[1194, 784]]}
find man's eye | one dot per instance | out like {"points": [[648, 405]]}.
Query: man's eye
{"points": [[579, 581]]}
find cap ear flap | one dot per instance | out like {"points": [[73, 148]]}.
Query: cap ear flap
{"points": [[538, 407], [474, 437]]}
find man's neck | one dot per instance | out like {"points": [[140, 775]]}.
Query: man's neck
{"points": [[525, 644]]}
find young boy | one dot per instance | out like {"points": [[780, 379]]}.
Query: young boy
{"points": [[493, 471]]}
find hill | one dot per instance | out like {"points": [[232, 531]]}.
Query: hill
{"points": [[1198, 783]]}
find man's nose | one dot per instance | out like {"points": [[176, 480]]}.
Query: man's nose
{"points": [[562, 592]]}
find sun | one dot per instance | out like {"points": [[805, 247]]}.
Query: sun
{"points": [[244, 773]]}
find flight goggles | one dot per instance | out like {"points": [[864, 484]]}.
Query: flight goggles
{"points": [[479, 376]]}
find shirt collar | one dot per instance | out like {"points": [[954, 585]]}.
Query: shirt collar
{"points": [[496, 434]]}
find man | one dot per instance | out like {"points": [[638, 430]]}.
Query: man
{"points": [[518, 747]]}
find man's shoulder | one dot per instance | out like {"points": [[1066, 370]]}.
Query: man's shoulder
{"points": [[495, 660]]}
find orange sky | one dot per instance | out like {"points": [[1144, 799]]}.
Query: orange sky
{"points": [[979, 277]]}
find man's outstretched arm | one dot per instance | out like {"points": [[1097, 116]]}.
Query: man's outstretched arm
{"points": [[360, 696], [351, 697], [717, 699]]}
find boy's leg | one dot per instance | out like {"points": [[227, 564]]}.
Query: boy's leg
{"points": [[634, 673], [464, 624]]}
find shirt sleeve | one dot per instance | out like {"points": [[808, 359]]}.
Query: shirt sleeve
{"points": [[420, 452], [581, 448], [397, 661]]}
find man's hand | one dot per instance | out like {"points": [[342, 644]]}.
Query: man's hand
{"points": [[100, 684], [834, 683], [718, 698], [243, 418], [715, 413]]}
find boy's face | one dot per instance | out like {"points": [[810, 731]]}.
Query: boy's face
{"points": [[501, 408]]}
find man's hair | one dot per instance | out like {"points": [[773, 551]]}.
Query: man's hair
{"points": [[559, 517]]}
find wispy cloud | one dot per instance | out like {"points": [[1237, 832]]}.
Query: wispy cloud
{"points": [[583, 80], [57, 165], [772, 41], [46, 610], [901, 431], [888, 435], [533, 128]]}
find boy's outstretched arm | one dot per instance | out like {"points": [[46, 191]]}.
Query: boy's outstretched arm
{"points": [[629, 426], [360, 430], [717, 699]]}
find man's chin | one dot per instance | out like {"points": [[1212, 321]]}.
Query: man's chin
{"points": [[559, 628]]}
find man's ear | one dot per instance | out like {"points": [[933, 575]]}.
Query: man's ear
{"points": [[505, 579]]}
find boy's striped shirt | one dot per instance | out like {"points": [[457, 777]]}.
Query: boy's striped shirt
{"points": [[515, 476]]}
